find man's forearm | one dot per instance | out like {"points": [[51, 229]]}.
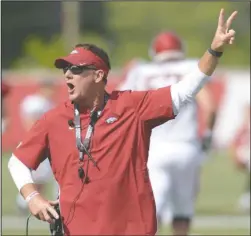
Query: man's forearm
{"points": [[208, 63], [185, 90], [22, 177], [27, 190]]}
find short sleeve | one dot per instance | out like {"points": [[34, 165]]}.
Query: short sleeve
{"points": [[154, 107], [34, 147]]}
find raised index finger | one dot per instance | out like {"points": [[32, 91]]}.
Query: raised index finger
{"points": [[221, 18], [230, 19]]}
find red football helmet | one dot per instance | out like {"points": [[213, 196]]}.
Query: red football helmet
{"points": [[166, 45]]}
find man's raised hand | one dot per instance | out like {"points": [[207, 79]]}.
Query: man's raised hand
{"points": [[223, 35]]}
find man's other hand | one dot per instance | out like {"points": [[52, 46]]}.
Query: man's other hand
{"points": [[43, 209]]}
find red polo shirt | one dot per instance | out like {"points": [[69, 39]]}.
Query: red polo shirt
{"points": [[118, 200]]}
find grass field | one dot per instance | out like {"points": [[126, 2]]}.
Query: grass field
{"points": [[196, 231], [210, 231], [221, 185]]}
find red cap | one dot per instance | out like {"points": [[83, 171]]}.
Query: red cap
{"points": [[81, 57]]}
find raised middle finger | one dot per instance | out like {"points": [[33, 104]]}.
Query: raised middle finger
{"points": [[230, 19]]}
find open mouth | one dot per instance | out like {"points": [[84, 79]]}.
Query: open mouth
{"points": [[70, 86]]}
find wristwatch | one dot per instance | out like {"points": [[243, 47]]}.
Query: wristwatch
{"points": [[214, 53]]}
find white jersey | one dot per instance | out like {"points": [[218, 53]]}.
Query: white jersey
{"points": [[35, 106], [184, 128]]}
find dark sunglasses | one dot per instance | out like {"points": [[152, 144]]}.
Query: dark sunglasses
{"points": [[77, 70]]}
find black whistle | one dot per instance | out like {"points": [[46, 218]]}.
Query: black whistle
{"points": [[81, 175]]}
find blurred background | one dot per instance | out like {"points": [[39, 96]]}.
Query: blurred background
{"points": [[35, 33]]}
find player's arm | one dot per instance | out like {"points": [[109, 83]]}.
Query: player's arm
{"points": [[208, 111], [186, 89], [207, 103], [27, 156]]}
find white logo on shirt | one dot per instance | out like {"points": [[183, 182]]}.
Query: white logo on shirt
{"points": [[111, 120]]}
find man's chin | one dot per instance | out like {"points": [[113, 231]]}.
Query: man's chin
{"points": [[75, 98], [72, 98]]}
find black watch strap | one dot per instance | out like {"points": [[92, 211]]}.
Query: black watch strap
{"points": [[214, 53]]}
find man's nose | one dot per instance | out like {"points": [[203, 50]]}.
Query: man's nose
{"points": [[68, 75]]}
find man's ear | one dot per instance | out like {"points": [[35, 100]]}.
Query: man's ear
{"points": [[99, 76]]}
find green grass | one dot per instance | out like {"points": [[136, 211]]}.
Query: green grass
{"points": [[22, 232], [221, 185], [197, 231], [214, 231]]}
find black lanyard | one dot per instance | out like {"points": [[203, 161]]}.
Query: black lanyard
{"points": [[83, 147]]}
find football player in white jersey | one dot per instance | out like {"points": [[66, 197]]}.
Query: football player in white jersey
{"points": [[175, 153], [31, 109]]}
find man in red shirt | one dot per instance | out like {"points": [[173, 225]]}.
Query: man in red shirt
{"points": [[104, 183]]}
